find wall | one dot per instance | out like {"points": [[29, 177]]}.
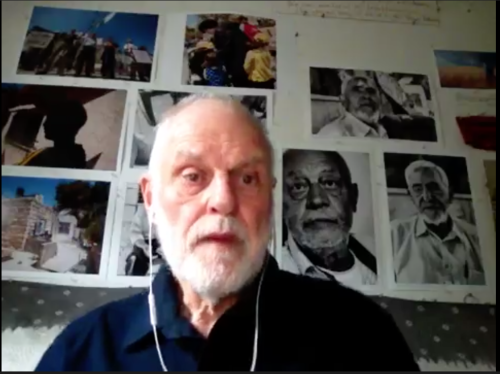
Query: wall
{"points": [[303, 42]]}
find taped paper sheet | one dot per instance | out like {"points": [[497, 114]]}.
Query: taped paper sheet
{"points": [[476, 103], [416, 12]]}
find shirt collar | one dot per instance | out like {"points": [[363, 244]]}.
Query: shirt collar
{"points": [[361, 129], [421, 229], [170, 323], [304, 265]]}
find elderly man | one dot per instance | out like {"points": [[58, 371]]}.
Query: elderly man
{"points": [[362, 102], [434, 247], [365, 115], [319, 200], [222, 303]]}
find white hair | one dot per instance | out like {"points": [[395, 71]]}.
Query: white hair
{"points": [[207, 271], [423, 164], [168, 121]]}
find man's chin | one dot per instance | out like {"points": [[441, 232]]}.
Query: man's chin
{"points": [[327, 238], [217, 252]]}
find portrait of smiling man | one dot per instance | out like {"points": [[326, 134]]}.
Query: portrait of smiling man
{"points": [[222, 303]]}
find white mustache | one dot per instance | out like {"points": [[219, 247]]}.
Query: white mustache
{"points": [[210, 225]]}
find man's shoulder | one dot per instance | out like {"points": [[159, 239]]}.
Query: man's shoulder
{"points": [[89, 332], [403, 223], [116, 309], [351, 323], [465, 227], [334, 128], [326, 295]]}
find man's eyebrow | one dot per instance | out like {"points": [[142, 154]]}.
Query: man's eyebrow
{"points": [[252, 161], [188, 154]]}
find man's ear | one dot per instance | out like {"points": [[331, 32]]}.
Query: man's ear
{"points": [[354, 197], [146, 186]]}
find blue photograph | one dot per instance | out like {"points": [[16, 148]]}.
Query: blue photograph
{"points": [[467, 69], [53, 225], [91, 44]]}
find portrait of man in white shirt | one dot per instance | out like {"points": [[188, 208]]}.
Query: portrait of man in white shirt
{"points": [[371, 104], [432, 244], [320, 199]]}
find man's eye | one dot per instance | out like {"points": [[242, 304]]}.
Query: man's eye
{"points": [[329, 184], [248, 179], [192, 177], [299, 187]]}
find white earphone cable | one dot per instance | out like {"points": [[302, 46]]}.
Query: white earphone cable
{"points": [[151, 299]]}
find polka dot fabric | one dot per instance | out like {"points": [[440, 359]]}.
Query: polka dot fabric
{"points": [[453, 333]]}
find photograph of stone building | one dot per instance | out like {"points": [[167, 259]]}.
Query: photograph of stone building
{"points": [[44, 229]]}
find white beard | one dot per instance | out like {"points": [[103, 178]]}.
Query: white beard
{"points": [[212, 274], [443, 217]]}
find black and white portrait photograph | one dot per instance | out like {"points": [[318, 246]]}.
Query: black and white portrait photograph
{"points": [[371, 104], [152, 105], [133, 259], [328, 227], [433, 225]]}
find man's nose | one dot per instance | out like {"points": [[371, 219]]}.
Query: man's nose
{"points": [[222, 196], [316, 198], [426, 195]]}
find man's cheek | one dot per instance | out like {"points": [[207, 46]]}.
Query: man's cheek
{"points": [[293, 214]]}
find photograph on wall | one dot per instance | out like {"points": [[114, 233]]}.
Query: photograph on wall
{"points": [[53, 225], [470, 70], [371, 104], [230, 50], [133, 258], [153, 104], [91, 44], [491, 183], [328, 227], [433, 226], [61, 126], [479, 132]]}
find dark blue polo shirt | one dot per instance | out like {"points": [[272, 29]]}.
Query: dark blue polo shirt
{"points": [[119, 336], [304, 324]]}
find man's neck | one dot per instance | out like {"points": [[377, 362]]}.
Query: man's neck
{"points": [[340, 259], [202, 313]]}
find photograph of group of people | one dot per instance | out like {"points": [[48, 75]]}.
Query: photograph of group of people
{"points": [[91, 44], [230, 50], [66, 127], [152, 105]]}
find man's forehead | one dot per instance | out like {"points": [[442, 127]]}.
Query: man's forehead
{"points": [[426, 172], [361, 81], [304, 161]]}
